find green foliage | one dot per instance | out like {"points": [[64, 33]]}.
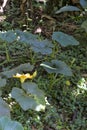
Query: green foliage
{"points": [[84, 25], [23, 67], [33, 89], [4, 108], [83, 3], [67, 8], [65, 89], [44, 47], [8, 124], [58, 67], [64, 39], [8, 36], [57, 7], [2, 82], [27, 94], [32, 98], [25, 37]]}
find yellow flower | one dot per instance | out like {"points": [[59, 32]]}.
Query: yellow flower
{"points": [[23, 77]]}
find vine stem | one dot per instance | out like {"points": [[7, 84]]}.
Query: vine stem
{"points": [[55, 79], [7, 53]]}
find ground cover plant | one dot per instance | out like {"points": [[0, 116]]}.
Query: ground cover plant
{"points": [[43, 65]]}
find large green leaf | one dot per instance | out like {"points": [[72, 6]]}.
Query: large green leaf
{"points": [[64, 39], [44, 47], [26, 101], [8, 124], [57, 66], [25, 37], [20, 69], [83, 3], [32, 88], [84, 25], [67, 8], [2, 82], [4, 108], [8, 36]]}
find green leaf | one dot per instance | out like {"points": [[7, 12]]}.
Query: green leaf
{"points": [[4, 108], [2, 82], [83, 3], [67, 8], [57, 66], [7, 124], [33, 89], [44, 47], [26, 101], [0, 92], [25, 37], [84, 25], [64, 39], [8, 36], [20, 69]]}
